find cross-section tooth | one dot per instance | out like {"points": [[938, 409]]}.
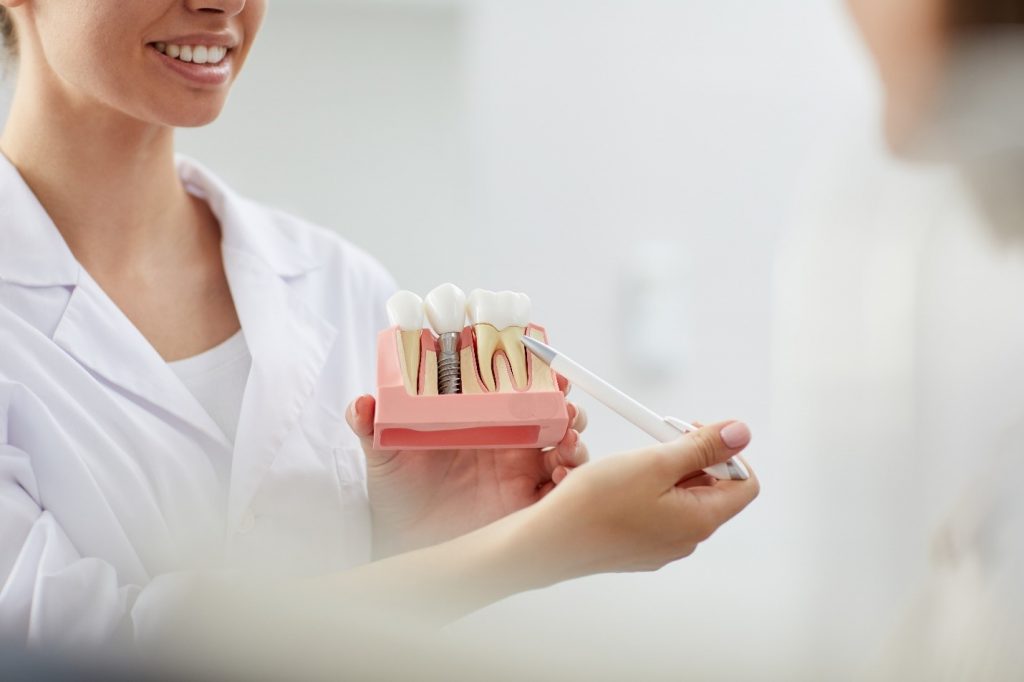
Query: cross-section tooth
{"points": [[499, 322], [406, 311]]}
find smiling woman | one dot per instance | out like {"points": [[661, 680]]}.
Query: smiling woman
{"points": [[175, 362]]}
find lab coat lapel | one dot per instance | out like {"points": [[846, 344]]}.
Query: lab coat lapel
{"points": [[289, 345], [98, 335], [92, 329]]}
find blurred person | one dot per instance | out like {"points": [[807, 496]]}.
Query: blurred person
{"points": [[123, 487], [899, 341]]}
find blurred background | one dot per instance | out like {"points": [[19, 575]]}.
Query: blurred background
{"points": [[651, 173]]}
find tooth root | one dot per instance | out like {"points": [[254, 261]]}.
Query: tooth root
{"points": [[541, 376], [409, 359], [429, 374], [515, 351], [470, 383], [487, 341], [506, 384]]}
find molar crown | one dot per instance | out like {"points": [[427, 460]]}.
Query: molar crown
{"points": [[500, 321]]}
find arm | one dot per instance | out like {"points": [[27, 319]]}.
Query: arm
{"points": [[623, 513], [50, 593]]}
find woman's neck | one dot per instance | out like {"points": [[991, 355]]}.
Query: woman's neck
{"points": [[108, 181]]}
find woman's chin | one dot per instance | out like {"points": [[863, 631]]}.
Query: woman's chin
{"points": [[194, 120], [190, 117], [908, 136]]}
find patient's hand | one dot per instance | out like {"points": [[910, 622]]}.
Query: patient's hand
{"points": [[422, 498]]}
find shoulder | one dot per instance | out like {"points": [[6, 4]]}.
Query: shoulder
{"points": [[292, 247], [326, 253]]}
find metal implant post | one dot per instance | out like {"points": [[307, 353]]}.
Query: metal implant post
{"points": [[449, 365], [446, 309]]}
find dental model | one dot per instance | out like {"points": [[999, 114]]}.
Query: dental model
{"points": [[459, 386]]}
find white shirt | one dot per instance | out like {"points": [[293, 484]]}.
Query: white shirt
{"points": [[217, 378], [108, 491]]}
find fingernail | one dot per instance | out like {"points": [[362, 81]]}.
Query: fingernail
{"points": [[355, 408], [735, 435]]}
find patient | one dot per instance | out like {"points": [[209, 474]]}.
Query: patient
{"points": [[901, 342]]}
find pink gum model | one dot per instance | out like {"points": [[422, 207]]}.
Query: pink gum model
{"points": [[522, 419]]}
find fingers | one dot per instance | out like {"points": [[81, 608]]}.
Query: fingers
{"points": [[580, 421], [699, 479], [563, 385], [723, 500], [360, 416], [700, 449], [571, 452]]}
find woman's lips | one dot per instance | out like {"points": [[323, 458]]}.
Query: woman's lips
{"points": [[199, 74]]}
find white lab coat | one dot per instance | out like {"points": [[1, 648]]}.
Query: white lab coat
{"points": [[108, 498]]}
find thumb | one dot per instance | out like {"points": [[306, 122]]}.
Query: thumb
{"points": [[704, 448], [360, 416]]}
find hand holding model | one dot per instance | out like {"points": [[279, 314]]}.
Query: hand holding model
{"points": [[517, 515], [423, 497], [425, 490]]}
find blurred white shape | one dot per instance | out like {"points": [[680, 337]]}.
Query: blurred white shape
{"points": [[654, 329]]}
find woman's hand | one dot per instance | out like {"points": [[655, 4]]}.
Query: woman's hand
{"points": [[421, 498], [637, 511], [631, 512]]}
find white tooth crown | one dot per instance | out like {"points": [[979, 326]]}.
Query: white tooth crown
{"points": [[446, 309], [406, 311], [196, 54], [500, 310], [499, 321]]}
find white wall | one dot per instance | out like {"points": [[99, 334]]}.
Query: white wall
{"points": [[604, 127], [551, 146]]}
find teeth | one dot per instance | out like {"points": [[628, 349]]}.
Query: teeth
{"points": [[499, 322], [405, 310], [196, 54], [446, 309]]}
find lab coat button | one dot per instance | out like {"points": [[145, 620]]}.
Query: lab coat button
{"points": [[248, 523]]}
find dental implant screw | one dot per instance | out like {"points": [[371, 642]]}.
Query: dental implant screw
{"points": [[449, 366]]}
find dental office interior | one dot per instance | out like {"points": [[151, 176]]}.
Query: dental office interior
{"points": [[698, 198]]}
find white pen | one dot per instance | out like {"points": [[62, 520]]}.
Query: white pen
{"points": [[663, 429]]}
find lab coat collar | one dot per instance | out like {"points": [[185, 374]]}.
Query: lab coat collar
{"points": [[246, 226], [288, 341], [33, 252]]}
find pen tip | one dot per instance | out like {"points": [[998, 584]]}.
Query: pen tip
{"points": [[541, 350]]}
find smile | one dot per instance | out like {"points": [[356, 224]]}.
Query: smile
{"points": [[193, 54]]}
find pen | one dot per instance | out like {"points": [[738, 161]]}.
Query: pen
{"points": [[663, 429]]}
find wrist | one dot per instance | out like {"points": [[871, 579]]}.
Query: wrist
{"points": [[537, 549]]}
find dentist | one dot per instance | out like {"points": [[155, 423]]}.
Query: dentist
{"points": [[175, 362]]}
